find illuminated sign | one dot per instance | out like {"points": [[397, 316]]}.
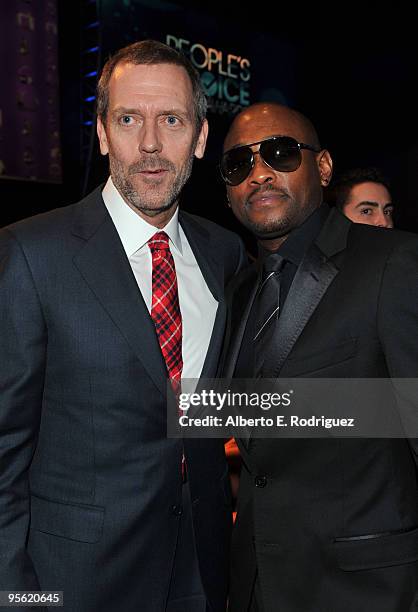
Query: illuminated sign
{"points": [[225, 76]]}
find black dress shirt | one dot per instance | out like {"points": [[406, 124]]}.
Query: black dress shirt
{"points": [[293, 250]]}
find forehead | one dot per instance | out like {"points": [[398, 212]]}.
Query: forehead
{"points": [[259, 123], [369, 192], [133, 84]]}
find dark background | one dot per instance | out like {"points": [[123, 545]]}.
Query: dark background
{"points": [[350, 68]]}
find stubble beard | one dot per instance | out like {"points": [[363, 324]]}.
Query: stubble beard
{"points": [[150, 202], [277, 226]]}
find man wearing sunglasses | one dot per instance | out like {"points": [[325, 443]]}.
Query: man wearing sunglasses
{"points": [[328, 524]]}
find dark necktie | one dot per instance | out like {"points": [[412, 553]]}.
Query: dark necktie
{"points": [[165, 308], [267, 307]]}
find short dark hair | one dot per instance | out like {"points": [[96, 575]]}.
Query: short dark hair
{"points": [[151, 52], [341, 186]]}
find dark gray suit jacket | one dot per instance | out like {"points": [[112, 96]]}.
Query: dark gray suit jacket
{"points": [[332, 524], [90, 485]]}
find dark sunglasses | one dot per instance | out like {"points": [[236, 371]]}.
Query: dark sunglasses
{"points": [[281, 153]]}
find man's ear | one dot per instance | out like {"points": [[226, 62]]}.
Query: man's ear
{"points": [[101, 133], [201, 141], [324, 162]]}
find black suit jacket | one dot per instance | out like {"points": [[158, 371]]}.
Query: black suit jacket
{"points": [[90, 486], [332, 525]]}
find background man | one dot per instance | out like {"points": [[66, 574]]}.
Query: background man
{"points": [[322, 524], [363, 195], [100, 304]]}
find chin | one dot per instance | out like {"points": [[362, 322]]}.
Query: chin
{"points": [[274, 228], [151, 209], [269, 234]]}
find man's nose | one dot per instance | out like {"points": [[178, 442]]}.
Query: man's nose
{"points": [[382, 220], [261, 172], [150, 140]]}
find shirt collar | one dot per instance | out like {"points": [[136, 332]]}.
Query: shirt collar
{"points": [[133, 230]]}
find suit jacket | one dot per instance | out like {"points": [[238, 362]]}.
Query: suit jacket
{"points": [[331, 525], [90, 486]]}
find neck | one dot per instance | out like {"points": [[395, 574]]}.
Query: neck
{"points": [[272, 244], [157, 219]]}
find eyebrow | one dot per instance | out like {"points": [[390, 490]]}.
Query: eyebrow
{"points": [[373, 204], [136, 111]]}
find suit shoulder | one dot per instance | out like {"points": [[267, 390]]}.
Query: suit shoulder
{"points": [[44, 223], [214, 229], [52, 224], [224, 245], [381, 239]]}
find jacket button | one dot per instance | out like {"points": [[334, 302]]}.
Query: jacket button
{"points": [[177, 510], [260, 481]]}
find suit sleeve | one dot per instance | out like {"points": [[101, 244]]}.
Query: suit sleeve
{"points": [[398, 332], [22, 348]]}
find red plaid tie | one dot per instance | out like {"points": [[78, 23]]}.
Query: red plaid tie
{"points": [[165, 309]]}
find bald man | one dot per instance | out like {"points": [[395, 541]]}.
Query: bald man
{"points": [[328, 524]]}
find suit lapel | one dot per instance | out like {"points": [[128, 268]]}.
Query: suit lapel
{"points": [[103, 264], [206, 257], [213, 273], [309, 285], [311, 281]]}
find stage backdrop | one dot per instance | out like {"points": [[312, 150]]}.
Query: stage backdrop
{"points": [[29, 96]]}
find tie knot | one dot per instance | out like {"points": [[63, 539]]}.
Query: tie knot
{"points": [[272, 263], [159, 242]]}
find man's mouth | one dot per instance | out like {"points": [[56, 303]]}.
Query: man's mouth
{"points": [[266, 197], [153, 172]]}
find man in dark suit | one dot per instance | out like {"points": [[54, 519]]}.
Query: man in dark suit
{"points": [[323, 525], [101, 304]]}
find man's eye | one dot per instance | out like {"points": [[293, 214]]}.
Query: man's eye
{"points": [[171, 120], [126, 120], [366, 211]]}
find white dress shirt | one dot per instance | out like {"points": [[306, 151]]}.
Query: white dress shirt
{"points": [[197, 305]]}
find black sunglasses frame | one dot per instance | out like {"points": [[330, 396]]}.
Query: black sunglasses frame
{"points": [[298, 146]]}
